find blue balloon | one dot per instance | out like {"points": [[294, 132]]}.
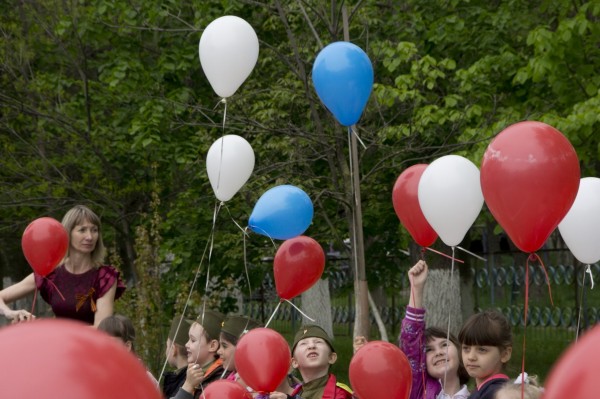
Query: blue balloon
{"points": [[282, 212], [343, 77]]}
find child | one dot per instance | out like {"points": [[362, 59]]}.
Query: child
{"points": [[204, 365], [312, 355], [121, 327], [231, 332], [176, 355], [512, 390], [486, 340], [439, 374]]}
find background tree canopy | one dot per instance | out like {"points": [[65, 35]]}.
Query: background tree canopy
{"points": [[104, 103]]}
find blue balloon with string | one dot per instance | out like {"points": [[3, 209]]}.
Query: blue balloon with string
{"points": [[282, 212], [343, 78]]}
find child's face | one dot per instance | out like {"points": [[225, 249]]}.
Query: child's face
{"points": [[227, 353], [435, 352], [482, 361], [199, 351], [312, 353]]}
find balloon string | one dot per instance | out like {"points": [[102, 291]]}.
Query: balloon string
{"points": [[301, 312], [263, 232], [449, 318], [353, 130], [246, 263], [580, 306], [224, 101], [446, 255], [273, 314], [535, 256], [472, 254], [191, 291], [34, 298], [351, 168], [55, 287], [525, 311]]}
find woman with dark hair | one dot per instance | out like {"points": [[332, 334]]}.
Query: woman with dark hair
{"points": [[80, 287]]}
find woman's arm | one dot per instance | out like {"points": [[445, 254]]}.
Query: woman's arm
{"points": [[14, 292], [105, 305]]}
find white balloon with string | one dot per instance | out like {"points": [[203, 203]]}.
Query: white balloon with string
{"points": [[229, 163]]}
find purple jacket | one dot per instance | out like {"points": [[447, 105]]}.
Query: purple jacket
{"points": [[412, 343]]}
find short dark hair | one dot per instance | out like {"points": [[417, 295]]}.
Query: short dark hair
{"points": [[436, 332], [488, 328], [119, 326]]}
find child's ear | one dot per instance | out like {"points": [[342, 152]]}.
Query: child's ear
{"points": [[332, 357], [506, 354], [213, 346], [294, 363]]}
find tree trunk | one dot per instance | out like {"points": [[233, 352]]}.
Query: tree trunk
{"points": [[316, 303], [442, 299]]}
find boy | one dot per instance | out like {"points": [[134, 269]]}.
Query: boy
{"points": [[204, 365], [176, 355], [312, 355]]}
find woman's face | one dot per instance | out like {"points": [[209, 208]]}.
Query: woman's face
{"points": [[435, 351], [84, 237], [227, 353]]}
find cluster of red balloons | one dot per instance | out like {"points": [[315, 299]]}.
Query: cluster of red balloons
{"points": [[529, 179]]}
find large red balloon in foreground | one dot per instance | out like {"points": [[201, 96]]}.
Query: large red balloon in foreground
{"points": [[65, 359], [529, 179], [45, 242], [405, 198], [575, 374], [380, 370]]}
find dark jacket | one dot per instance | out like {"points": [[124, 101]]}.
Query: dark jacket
{"points": [[488, 389], [173, 380]]}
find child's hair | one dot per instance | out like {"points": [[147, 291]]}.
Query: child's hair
{"points": [[531, 390], [119, 326], [488, 328], [435, 332]]}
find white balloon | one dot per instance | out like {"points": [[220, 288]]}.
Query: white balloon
{"points": [[580, 228], [450, 197], [229, 163], [228, 53]]}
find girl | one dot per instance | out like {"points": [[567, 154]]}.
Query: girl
{"points": [[439, 374], [486, 340]]}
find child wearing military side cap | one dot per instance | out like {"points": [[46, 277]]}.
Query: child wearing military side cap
{"points": [[234, 327], [204, 365], [312, 355], [176, 355]]}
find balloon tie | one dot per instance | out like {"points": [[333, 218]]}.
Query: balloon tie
{"points": [[446, 255], [533, 257], [273, 314], [191, 291], [301, 312], [589, 271]]}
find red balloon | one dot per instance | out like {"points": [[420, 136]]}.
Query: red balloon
{"points": [[45, 242], [298, 265], [529, 178], [69, 360], [575, 374], [225, 389], [406, 204], [380, 370], [262, 359]]}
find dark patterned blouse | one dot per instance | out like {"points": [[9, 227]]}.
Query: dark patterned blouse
{"points": [[74, 296]]}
